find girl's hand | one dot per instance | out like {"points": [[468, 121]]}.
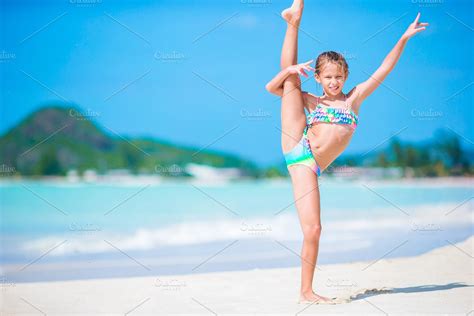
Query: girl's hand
{"points": [[415, 28], [300, 68]]}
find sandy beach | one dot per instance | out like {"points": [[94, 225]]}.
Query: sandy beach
{"points": [[438, 282]]}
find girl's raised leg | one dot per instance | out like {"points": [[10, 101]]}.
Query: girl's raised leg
{"points": [[292, 16], [293, 117]]}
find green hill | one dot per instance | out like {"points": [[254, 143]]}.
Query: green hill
{"points": [[55, 139]]}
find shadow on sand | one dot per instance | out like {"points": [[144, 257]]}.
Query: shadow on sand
{"points": [[365, 293]]}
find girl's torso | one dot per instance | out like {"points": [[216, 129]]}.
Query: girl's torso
{"points": [[330, 128]]}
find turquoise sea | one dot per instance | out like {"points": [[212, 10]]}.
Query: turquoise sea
{"points": [[55, 230]]}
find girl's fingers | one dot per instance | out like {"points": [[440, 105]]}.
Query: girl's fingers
{"points": [[417, 17], [303, 72], [418, 31], [304, 67]]}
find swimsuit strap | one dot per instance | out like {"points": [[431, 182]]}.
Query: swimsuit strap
{"points": [[349, 107]]}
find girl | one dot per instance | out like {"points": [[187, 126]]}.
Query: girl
{"points": [[310, 147]]}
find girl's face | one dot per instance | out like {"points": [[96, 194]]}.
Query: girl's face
{"points": [[332, 79]]}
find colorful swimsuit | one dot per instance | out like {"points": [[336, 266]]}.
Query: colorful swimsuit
{"points": [[301, 154]]}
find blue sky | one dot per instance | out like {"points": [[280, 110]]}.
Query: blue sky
{"points": [[193, 72]]}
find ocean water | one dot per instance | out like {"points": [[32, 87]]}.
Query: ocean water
{"points": [[60, 230]]}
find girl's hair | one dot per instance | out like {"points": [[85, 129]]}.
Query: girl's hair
{"points": [[331, 57]]}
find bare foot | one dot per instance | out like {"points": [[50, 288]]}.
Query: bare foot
{"points": [[293, 14], [315, 298]]}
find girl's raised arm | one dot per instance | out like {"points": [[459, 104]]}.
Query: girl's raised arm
{"points": [[364, 89]]}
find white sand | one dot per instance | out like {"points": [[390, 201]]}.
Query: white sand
{"points": [[438, 282]]}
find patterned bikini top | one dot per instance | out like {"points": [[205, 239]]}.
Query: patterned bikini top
{"points": [[333, 115]]}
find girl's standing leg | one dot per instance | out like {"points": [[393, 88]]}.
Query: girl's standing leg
{"points": [[304, 180], [307, 199]]}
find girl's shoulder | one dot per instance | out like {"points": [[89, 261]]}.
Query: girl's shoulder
{"points": [[310, 95], [310, 100]]}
